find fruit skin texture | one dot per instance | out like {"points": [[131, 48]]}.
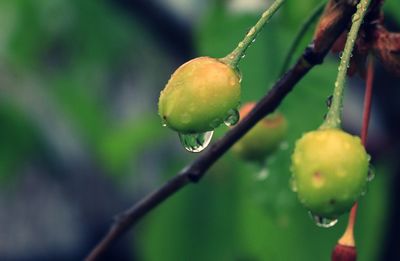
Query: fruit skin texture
{"points": [[330, 169], [263, 139], [199, 95]]}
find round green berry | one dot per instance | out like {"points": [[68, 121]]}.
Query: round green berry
{"points": [[263, 139], [199, 96], [330, 169]]}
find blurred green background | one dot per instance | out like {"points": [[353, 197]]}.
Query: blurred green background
{"points": [[80, 138]]}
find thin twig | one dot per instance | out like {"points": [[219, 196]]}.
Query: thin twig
{"points": [[316, 12], [347, 238], [312, 56]]}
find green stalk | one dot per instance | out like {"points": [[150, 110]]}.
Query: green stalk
{"points": [[236, 55], [333, 118]]}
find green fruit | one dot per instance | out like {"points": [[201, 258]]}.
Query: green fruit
{"points": [[263, 139], [330, 169], [199, 95]]}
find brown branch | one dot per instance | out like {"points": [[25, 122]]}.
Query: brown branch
{"points": [[329, 31]]}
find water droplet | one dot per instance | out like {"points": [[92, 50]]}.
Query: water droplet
{"points": [[355, 18], [263, 174], [232, 118], [251, 32], [328, 101], [253, 40], [284, 145], [322, 221], [196, 142], [293, 184], [239, 74], [371, 173], [243, 56], [164, 121]]}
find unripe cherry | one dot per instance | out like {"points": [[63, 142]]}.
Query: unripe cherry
{"points": [[263, 139], [199, 96], [330, 169]]}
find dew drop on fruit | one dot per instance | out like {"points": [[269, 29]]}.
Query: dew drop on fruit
{"points": [[322, 221], [371, 173], [196, 142], [232, 118]]}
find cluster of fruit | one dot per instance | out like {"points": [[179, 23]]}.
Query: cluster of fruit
{"points": [[329, 166]]}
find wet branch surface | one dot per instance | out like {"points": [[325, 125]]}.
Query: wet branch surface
{"points": [[333, 22]]}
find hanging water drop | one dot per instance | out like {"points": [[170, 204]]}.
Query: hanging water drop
{"points": [[371, 173], [164, 121], [232, 118], [322, 221], [253, 40], [196, 142]]}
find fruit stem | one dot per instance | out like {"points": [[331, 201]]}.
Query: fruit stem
{"points": [[347, 238], [238, 53], [367, 100], [300, 34], [333, 118]]}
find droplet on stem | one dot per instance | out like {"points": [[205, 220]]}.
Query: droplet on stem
{"points": [[196, 142], [322, 221], [232, 118], [328, 101]]}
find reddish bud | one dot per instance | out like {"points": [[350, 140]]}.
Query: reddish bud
{"points": [[344, 253]]}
